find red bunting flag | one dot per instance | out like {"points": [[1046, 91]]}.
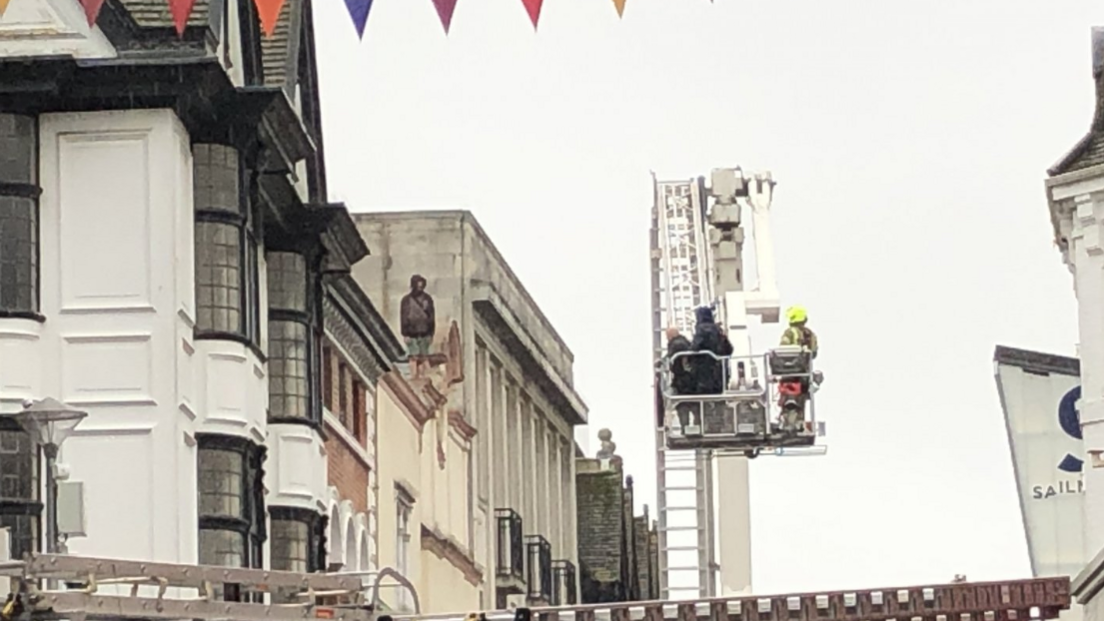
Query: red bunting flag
{"points": [[620, 4], [269, 12], [444, 11], [3, 6], [92, 10], [358, 10], [533, 7], [181, 10]]}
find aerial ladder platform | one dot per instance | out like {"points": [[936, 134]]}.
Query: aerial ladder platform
{"points": [[703, 441]]}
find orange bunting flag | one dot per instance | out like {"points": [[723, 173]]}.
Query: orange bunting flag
{"points": [[269, 12], [534, 8], [444, 11], [620, 4], [92, 10], [181, 10], [3, 6]]}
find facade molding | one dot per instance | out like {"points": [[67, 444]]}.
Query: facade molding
{"points": [[448, 549], [409, 401], [460, 424], [504, 325]]}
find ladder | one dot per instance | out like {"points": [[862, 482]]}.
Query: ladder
{"points": [[681, 282], [116, 589]]}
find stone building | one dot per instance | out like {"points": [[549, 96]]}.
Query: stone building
{"points": [[501, 382], [618, 552]]}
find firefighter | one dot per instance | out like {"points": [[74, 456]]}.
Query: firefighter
{"points": [[799, 334]]}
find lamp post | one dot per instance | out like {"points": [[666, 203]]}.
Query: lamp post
{"points": [[49, 422]]}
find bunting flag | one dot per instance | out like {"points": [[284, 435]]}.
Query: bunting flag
{"points": [[269, 13], [3, 6], [533, 7], [620, 4], [181, 10], [358, 10], [444, 11], [91, 10]]}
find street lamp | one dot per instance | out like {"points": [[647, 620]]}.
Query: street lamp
{"points": [[49, 422]]}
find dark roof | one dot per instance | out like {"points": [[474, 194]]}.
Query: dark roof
{"points": [[1089, 151], [1037, 362], [280, 52]]}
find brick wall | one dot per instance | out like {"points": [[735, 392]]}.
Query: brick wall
{"points": [[347, 472], [630, 571], [644, 562], [617, 551], [600, 527]]}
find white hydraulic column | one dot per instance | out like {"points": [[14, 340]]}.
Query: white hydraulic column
{"points": [[733, 500]]}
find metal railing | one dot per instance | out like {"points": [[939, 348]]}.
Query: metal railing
{"points": [[539, 580], [738, 378], [563, 586], [510, 548]]}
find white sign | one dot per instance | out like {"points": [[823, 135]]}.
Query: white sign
{"points": [[1040, 395]]}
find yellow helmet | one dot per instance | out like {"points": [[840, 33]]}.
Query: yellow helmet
{"points": [[796, 314]]}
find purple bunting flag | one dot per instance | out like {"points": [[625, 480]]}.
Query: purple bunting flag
{"points": [[444, 11], [358, 10]]}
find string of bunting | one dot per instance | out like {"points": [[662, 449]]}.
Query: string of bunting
{"points": [[268, 11]]}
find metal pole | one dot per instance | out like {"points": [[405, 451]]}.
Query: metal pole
{"points": [[51, 453]]}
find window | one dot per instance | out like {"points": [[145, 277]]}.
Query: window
{"points": [[20, 509], [227, 289], [295, 338], [327, 378], [297, 540], [231, 501], [360, 414], [18, 216], [404, 508], [344, 390]]}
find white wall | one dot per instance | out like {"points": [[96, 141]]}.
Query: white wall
{"points": [[116, 267]]}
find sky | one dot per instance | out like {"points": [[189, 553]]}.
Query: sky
{"points": [[910, 143]]}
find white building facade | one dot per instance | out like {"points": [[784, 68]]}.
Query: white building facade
{"points": [[1075, 192], [164, 238]]}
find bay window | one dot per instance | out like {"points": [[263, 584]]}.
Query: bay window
{"points": [[231, 501], [226, 233]]}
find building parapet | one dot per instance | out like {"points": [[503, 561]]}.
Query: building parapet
{"points": [[492, 308]]}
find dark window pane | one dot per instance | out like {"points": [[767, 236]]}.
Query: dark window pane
{"points": [[287, 281], [17, 467], [18, 254], [221, 490], [287, 369], [290, 545], [24, 533], [221, 547], [218, 277], [217, 178]]}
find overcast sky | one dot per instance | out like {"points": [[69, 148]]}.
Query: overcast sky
{"points": [[910, 143]]}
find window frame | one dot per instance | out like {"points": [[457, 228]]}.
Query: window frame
{"points": [[311, 321], [316, 524], [404, 518], [252, 523], [30, 507], [29, 190], [248, 221]]}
